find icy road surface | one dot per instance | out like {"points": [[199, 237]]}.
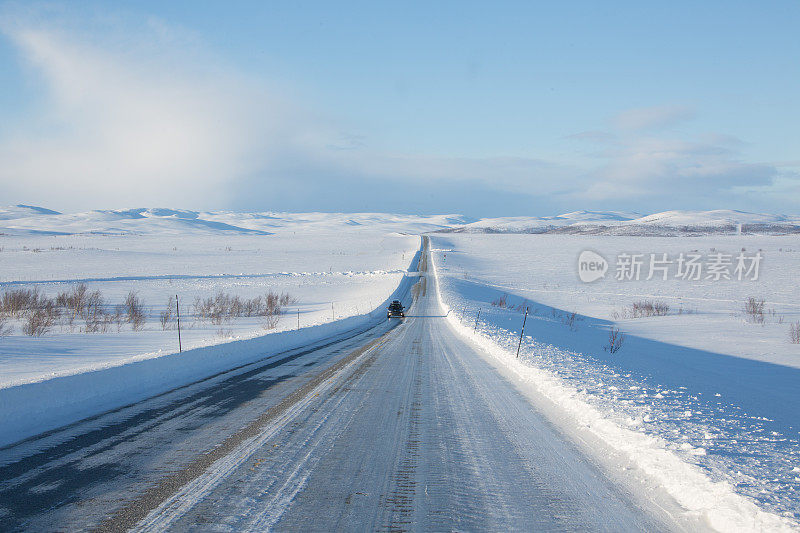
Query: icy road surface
{"points": [[403, 427]]}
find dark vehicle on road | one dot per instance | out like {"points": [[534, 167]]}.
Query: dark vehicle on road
{"points": [[395, 309]]}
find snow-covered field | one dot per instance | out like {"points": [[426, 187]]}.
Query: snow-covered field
{"points": [[332, 266], [702, 381], [721, 221], [706, 381], [704, 314]]}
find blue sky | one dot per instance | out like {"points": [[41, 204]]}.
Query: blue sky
{"points": [[489, 109]]}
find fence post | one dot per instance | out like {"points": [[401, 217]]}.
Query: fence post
{"points": [[298, 319], [178, 314], [521, 333], [476, 320], [333, 315]]}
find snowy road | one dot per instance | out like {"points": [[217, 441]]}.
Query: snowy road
{"points": [[403, 427]]}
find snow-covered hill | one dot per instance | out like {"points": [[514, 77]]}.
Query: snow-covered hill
{"points": [[658, 224], [542, 224], [719, 217], [23, 211], [22, 220], [28, 220]]}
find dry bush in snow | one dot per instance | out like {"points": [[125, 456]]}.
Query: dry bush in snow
{"points": [[167, 316], [94, 315], [17, 302], [615, 340], [223, 307], [271, 321], [501, 302], [134, 311], [38, 323], [648, 308], [754, 310], [40, 313], [794, 333], [569, 320], [74, 302]]}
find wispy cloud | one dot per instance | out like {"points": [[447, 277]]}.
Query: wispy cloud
{"points": [[651, 167], [135, 117], [652, 118], [642, 162]]}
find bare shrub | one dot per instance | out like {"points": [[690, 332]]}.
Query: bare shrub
{"points": [[40, 313], [223, 307], [166, 317], [38, 323], [521, 307], [661, 309], [94, 315], [119, 316], [272, 304], [253, 306], [16, 302], [794, 333], [648, 308], [134, 311], [219, 308], [74, 301], [569, 320], [271, 321], [754, 310], [615, 340], [501, 302]]}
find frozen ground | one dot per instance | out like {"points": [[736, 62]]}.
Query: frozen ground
{"points": [[703, 382]]}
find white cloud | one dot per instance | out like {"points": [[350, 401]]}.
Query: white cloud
{"points": [[641, 164], [651, 167], [135, 120], [652, 118]]}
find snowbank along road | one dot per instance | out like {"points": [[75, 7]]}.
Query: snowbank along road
{"points": [[401, 427]]}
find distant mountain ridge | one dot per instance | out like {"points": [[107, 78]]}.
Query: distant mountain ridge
{"points": [[22, 210], [620, 223], [21, 220], [27, 219]]}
